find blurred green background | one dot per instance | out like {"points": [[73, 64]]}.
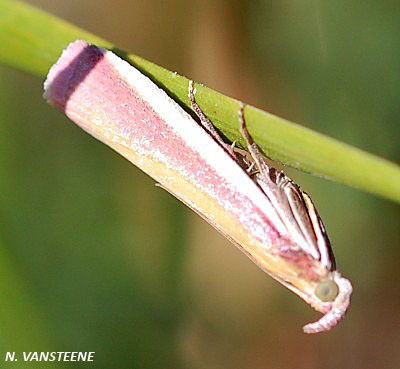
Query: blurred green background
{"points": [[94, 257]]}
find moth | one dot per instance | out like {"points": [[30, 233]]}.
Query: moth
{"points": [[258, 208]]}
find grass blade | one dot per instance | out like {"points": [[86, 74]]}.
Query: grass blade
{"points": [[27, 44]]}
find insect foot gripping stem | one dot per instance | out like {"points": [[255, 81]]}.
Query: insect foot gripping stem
{"points": [[337, 310]]}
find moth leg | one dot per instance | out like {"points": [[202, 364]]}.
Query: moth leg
{"points": [[207, 124], [252, 146], [251, 167]]}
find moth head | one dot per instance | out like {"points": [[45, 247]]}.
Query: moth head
{"points": [[325, 290], [333, 297]]}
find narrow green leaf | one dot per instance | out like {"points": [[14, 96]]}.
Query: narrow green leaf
{"points": [[27, 44]]}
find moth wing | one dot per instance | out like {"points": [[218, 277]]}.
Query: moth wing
{"points": [[212, 223]]}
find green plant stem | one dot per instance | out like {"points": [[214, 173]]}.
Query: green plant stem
{"points": [[27, 44]]}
